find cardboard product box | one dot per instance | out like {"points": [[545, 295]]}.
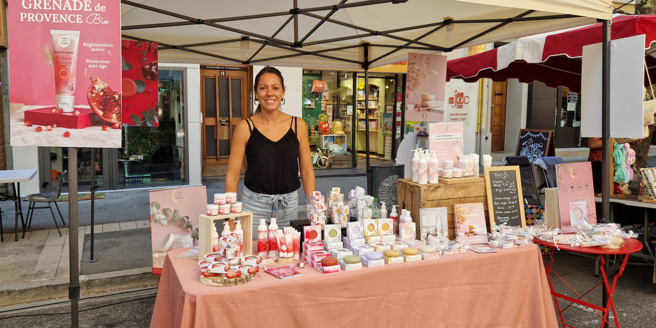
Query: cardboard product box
{"points": [[415, 243], [429, 256], [387, 238], [397, 245], [372, 263], [380, 247], [341, 253], [448, 192], [349, 267], [362, 250], [317, 256], [329, 269], [372, 239], [355, 230], [350, 243], [313, 247], [393, 260], [412, 258], [333, 245], [407, 231], [370, 227]]}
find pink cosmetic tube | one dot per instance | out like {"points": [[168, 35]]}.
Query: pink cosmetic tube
{"points": [[297, 245], [64, 56], [289, 241]]}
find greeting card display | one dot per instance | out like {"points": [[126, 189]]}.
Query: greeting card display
{"points": [[575, 195], [469, 222]]}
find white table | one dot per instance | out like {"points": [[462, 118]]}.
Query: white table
{"points": [[15, 177]]}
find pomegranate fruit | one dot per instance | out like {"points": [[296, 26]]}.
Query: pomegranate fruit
{"points": [[104, 101]]}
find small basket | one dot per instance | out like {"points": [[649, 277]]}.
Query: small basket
{"points": [[222, 282]]}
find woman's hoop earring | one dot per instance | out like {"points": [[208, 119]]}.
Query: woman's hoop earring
{"points": [[283, 101]]}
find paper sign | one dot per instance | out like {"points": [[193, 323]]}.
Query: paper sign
{"points": [[446, 141], [575, 186]]}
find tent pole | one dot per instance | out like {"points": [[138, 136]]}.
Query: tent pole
{"points": [[605, 136], [365, 65]]}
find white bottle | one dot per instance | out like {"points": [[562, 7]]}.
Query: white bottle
{"points": [[215, 240], [226, 229], [273, 241], [408, 218], [415, 165], [402, 216], [423, 168], [240, 234], [395, 219], [262, 239], [383, 211], [433, 169]]}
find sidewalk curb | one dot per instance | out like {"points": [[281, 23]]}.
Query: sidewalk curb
{"points": [[36, 291]]}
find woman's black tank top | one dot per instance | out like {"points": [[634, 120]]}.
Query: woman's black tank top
{"points": [[272, 165]]}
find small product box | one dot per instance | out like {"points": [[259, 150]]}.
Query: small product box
{"points": [[350, 243], [385, 227], [372, 263], [328, 269], [370, 227], [387, 238], [407, 231], [412, 258], [372, 239], [317, 256], [429, 256], [332, 233], [355, 230], [397, 245], [341, 253], [333, 245], [393, 260], [381, 247], [349, 267], [415, 243], [362, 250], [312, 233], [313, 247]]}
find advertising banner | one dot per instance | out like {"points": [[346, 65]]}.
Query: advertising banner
{"points": [[65, 73], [446, 140], [425, 88], [140, 83]]}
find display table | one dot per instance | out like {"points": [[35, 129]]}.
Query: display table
{"points": [[630, 246], [504, 289]]}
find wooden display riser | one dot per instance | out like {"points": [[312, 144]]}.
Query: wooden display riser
{"points": [[413, 196], [206, 225]]}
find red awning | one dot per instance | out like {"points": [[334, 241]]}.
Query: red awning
{"points": [[551, 58]]}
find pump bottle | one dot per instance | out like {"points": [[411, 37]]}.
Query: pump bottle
{"points": [[433, 172], [423, 169], [262, 238], [273, 241], [383, 211], [226, 228], [215, 240], [415, 165], [395, 219], [240, 234]]}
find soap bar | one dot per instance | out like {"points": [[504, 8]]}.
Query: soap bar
{"points": [[391, 253], [351, 259], [409, 251], [427, 249], [329, 261], [372, 256]]}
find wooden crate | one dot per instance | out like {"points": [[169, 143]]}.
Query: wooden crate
{"points": [[206, 225], [341, 161], [413, 196]]}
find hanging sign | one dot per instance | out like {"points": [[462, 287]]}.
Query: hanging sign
{"points": [[65, 73]]}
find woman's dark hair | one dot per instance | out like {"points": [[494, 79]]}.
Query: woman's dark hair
{"points": [[267, 69]]}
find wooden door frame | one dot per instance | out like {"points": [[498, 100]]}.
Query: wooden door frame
{"points": [[223, 72], [505, 104]]}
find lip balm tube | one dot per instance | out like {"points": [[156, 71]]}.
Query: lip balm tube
{"points": [[64, 56]]}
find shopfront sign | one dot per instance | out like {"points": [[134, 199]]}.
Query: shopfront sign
{"points": [[65, 73]]}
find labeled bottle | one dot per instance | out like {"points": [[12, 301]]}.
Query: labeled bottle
{"points": [[262, 239], [395, 219], [423, 169], [383, 210], [433, 169], [215, 240], [375, 209], [240, 234], [226, 228], [415, 165], [273, 241]]}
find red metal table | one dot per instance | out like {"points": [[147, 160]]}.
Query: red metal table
{"points": [[630, 246]]}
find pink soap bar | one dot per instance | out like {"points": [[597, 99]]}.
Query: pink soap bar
{"points": [[45, 116]]}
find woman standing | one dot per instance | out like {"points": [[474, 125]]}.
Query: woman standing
{"points": [[275, 145]]}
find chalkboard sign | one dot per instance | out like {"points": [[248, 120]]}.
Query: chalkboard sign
{"points": [[504, 195], [529, 190], [535, 144]]}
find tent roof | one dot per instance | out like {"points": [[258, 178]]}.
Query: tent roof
{"points": [[553, 58], [329, 34]]}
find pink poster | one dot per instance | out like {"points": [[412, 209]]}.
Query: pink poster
{"points": [[173, 218], [425, 88], [65, 73], [575, 195], [446, 141], [469, 223]]}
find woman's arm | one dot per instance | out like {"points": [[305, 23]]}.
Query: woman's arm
{"points": [[305, 159], [594, 143], [237, 154]]}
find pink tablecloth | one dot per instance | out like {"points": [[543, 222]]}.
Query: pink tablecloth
{"points": [[504, 289]]}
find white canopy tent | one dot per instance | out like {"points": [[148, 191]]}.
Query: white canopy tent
{"points": [[330, 34]]}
